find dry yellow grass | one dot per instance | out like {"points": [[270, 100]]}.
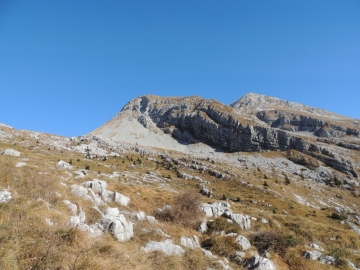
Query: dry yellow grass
{"points": [[28, 241]]}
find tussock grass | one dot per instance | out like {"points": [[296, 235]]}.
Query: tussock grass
{"points": [[184, 211]]}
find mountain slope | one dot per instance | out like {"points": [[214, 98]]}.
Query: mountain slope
{"points": [[92, 202], [254, 123]]}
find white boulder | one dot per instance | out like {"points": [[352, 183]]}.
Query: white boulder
{"points": [[260, 263], [243, 221], [167, 247], [216, 209], [98, 186], [11, 152], [63, 165], [81, 192], [243, 242], [118, 227], [80, 174], [5, 196]]}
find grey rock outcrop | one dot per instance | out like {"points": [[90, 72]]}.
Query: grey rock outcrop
{"points": [[243, 242], [191, 243], [219, 209], [260, 263], [206, 192], [118, 227], [167, 247], [243, 221], [216, 209], [95, 191], [327, 259]]}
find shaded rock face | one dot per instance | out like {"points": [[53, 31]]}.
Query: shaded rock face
{"points": [[253, 123]]}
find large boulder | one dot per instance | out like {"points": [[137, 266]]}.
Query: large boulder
{"points": [[167, 247], [118, 227], [260, 263], [11, 152], [243, 221], [63, 165], [83, 193], [98, 186], [223, 209], [216, 209], [243, 242], [5, 196]]}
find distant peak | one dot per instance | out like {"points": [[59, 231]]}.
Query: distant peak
{"points": [[251, 99]]}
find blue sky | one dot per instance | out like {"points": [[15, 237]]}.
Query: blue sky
{"points": [[66, 67]]}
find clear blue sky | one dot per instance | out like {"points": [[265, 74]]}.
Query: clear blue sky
{"points": [[66, 67]]}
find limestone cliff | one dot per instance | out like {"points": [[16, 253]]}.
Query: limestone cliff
{"points": [[253, 123]]}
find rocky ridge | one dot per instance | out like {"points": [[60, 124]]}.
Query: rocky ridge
{"points": [[254, 123]]}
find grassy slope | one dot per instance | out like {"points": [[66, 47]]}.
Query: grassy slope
{"points": [[27, 241]]}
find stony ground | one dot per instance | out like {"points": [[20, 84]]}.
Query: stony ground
{"points": [[90, 203]]}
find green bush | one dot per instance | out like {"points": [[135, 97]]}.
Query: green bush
{"points": [[336, 216]]}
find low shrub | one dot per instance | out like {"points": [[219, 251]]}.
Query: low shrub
{"points": [[336, 216], [275, 241]]}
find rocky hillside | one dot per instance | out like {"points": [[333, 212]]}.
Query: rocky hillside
{"points": [[254, 123], [185, 183]]}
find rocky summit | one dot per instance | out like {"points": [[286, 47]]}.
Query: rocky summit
{"points": [[185, 183]]}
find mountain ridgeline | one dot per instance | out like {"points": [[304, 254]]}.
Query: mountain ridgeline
{"points": [[254, 123]]}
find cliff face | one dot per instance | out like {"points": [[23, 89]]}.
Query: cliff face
{"points": [[253, 123]]}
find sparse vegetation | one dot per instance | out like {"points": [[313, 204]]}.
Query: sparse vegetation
{"points": [[274, 241], [32, 243], [184, 211]]}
